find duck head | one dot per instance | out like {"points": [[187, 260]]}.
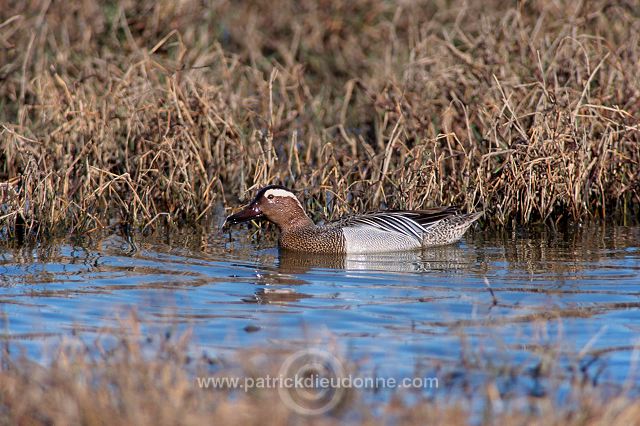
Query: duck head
{"points": [[275, 203]]}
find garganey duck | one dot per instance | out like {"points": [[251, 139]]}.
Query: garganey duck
{"points": [[379, 232]]}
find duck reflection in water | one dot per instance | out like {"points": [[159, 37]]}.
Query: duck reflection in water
{"points": [[436, 258], [291, 265]]}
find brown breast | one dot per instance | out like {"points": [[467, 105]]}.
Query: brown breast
{"points": [[314, 239]]}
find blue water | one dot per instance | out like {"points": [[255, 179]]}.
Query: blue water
{"points": [[462, 311]]}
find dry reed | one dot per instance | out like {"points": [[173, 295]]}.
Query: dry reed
{"points": [[158, 112], [133, 378]]}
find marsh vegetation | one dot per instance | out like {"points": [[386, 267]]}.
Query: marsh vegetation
{"points": [[151, 119], [157, 112]]}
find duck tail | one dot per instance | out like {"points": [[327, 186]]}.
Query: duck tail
{"points": [[449, 230]]}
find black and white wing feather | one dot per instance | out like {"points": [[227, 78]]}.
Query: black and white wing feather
{"points": [[411, 223]]}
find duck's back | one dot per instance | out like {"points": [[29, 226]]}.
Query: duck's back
{"points": [[381, 232], [392, 231]]}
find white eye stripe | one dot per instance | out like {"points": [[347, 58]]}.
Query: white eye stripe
{"points": [[279, 193], [276, 192]]}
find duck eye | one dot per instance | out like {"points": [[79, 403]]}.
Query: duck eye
{"points": [[270, 196]]}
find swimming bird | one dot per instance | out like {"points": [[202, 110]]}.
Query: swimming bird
{"points": [[378, 232]]}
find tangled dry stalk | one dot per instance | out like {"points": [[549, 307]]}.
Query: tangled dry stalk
{"points": [[153, 380], [157, 112]]}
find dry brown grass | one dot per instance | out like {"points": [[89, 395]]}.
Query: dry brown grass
{"points": [[155, 112], [151, 380]]}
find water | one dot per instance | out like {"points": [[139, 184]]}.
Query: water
{"points": [[462, 311]]}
